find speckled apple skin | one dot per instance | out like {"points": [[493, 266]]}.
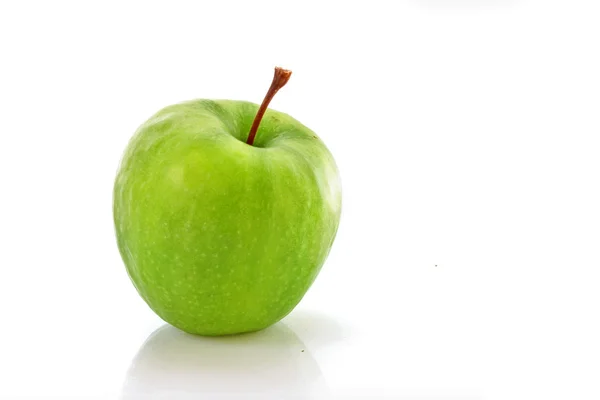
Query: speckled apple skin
{"points": [[217, 236]]}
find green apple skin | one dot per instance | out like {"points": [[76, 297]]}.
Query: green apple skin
{"points": [[220, 237]]}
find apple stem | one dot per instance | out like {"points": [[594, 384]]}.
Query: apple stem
{"points": [[281, 77]]}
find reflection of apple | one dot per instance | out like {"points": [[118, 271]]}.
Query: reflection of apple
{"points": [[220, 236], [272, 363]]}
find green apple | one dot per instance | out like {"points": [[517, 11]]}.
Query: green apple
{"points": [[225, 212]]}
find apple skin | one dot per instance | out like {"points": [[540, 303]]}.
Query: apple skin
{"points": [[220, 237]]}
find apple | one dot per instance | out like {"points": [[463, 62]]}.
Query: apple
{"points": [[225, 212]]}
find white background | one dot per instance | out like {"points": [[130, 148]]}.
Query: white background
{"points": [[467, 263]]}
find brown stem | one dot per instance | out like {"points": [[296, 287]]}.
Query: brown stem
{"points": [[279, 80]]}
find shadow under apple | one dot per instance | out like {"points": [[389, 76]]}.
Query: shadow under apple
{"points": [[272, 363]]}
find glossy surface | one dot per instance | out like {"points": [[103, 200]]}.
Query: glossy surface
{"points": [[273, 362], [218, 236]]}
